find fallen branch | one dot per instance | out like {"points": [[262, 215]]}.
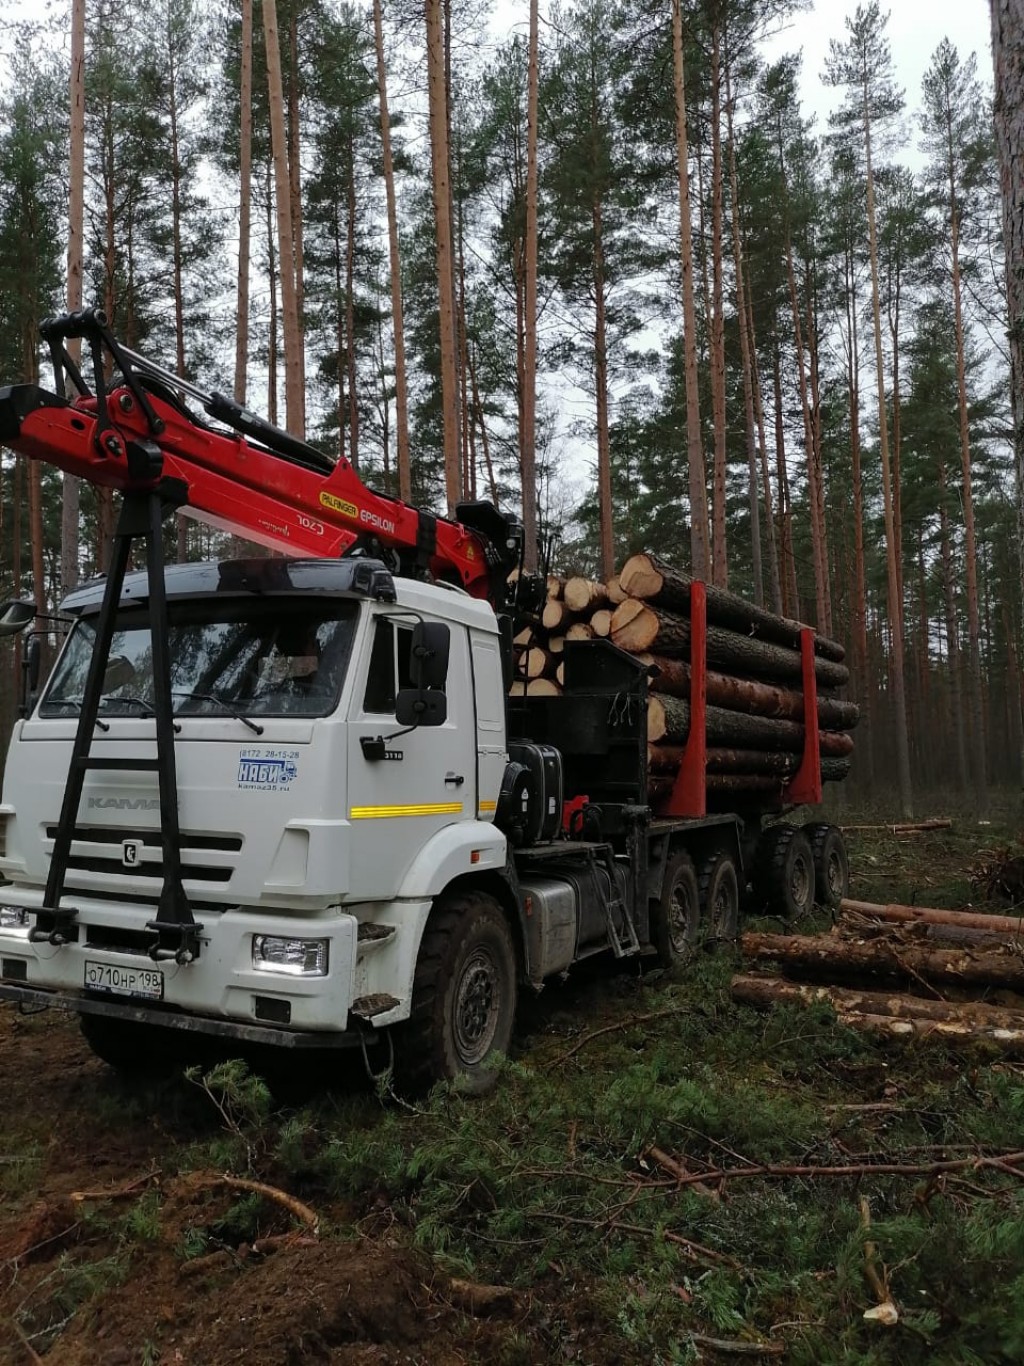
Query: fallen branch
{"points": [[696, 1251], [33, 1355], [775, 1171], [619, 1024], [680, 1170], [116, 1192], [737, 1348], [884, 1310], [207, 1180]]}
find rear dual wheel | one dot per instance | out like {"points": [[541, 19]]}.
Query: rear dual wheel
{"points": [[694, 908]]}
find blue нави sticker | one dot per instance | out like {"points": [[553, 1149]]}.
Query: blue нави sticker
{"points": [[267, 770]]}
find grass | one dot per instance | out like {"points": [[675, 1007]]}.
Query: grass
{"points": [[550, 1185]]}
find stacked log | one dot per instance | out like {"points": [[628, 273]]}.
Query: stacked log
{"points": [[755, 714]]}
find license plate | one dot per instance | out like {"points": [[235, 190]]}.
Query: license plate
{"points": [[125, 981]]}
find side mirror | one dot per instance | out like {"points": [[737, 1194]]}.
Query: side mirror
{"points": [[120, 671], [421, 707], [16, 616], [428, 664]]}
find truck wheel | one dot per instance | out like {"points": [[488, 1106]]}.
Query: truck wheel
{"points": [[134, 1049], [463, 998], [676, 918], [785, 875], [831, 864], [720, 896]]}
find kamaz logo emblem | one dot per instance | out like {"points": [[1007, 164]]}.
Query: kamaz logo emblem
{"points": [[124, 804], [130, 853]]}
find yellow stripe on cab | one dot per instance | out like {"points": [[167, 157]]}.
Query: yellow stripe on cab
{"points": [[369, 813]]}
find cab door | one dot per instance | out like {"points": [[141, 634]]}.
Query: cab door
{"points": [[427, 780]]}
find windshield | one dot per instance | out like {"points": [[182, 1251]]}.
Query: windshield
{"points": [[268, 657]]}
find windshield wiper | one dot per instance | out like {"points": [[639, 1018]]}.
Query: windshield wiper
{"points": [[145, 708], [76, 703], [226, 707]]}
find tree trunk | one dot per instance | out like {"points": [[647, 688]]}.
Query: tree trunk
{"points": [[176, 252], [818, 956], [766, 992], [743, 694], [272, 348], [528, 454], [397, 315], [1012, 925], [244, 208], [350, 309], [666, 758], [753, 500], [650, 579], [774, 571], [899, 700], [604, 451], [293, 396], [295, 201], [441, 181], [638, 627], [699, 556], [70, 497], [668, 719], [953, 660], [790, 593], [719, 559]]}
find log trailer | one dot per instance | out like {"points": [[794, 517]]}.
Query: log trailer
{"points": [[289, 801]]}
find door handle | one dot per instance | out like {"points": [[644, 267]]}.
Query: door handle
{"points": [[455, 779]]}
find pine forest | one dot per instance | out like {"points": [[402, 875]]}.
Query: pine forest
{"points": [[604, 269]]}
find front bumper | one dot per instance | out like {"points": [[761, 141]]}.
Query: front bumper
{"points": [[221, 985], [38, 997]]}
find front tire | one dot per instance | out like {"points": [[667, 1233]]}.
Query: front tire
{"points": [[463, 998], [676, 921]]}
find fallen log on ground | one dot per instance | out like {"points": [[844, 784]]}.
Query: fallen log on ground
{"points": [[766, 992], [650, 579], [934, 915], [904, 827], [817, 957], [638, 627], [743, 694], [1009, 1041]]}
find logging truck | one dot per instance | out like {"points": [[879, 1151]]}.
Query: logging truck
{"points": [[312, 801]]}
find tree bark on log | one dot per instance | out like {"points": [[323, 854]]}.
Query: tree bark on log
{"points": [[638, 627], [743, 694], [765, 992], [584, 595], [817, 957], [666, 758], [743, 785], [931, 915], [650, 579], [668, 718]]}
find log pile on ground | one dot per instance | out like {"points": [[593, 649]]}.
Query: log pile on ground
{"points": [[755, 711], [891, 970]]}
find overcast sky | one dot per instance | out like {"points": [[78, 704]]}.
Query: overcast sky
{"points": [[915, 29]]}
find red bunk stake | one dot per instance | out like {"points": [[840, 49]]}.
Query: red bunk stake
{"points": [[689, 795], [805, 785]]}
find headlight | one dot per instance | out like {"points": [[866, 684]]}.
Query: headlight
{"points": [[296, 957], [13, 918]]}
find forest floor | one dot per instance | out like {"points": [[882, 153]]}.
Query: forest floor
{"points": [[540, 1224]]}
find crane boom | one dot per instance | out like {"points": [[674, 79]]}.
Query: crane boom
{"points": [[252, 480]]}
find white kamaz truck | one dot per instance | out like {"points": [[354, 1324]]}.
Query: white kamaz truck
{"points": [[289, 801]]}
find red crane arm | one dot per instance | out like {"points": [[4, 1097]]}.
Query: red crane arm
{"points": [[273, 490]]}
